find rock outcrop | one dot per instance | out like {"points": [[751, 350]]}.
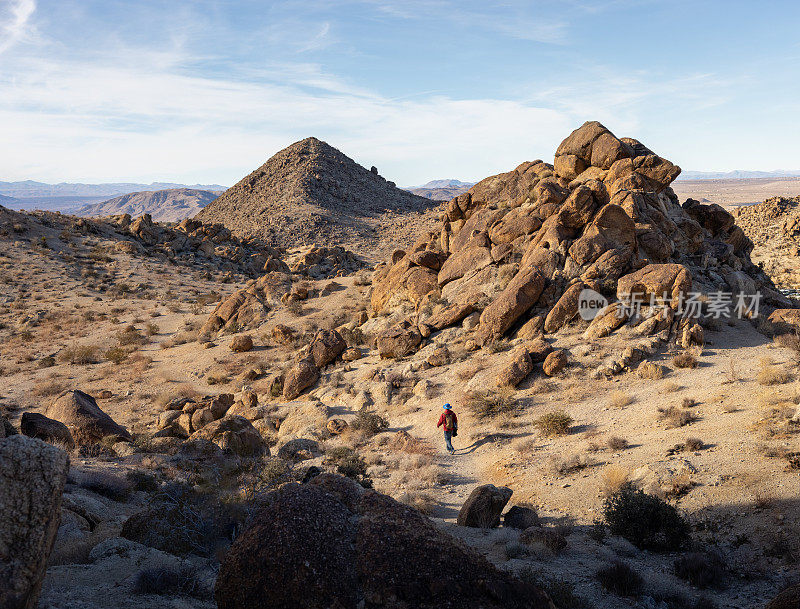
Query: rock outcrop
{"points": [[483, 507], [330, 543], [521, 248], [32, 478]]}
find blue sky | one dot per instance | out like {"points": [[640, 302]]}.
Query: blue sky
{"points": [[205, 91]]}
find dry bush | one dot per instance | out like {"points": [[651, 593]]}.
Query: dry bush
{"points": [[116, 355], [563, 466], [676, 417], [702, 570], [422, 502], [678, 486], [184, 390], [524, 446], [48, 388], [613, 478], [670, 387], [620, 579], [556, 423], [619, 399], [688, 403], [685, 360], [770, 374], [617, 443], [693, 444], [79, 354], [130, 335], [651, 371], [490, 403]]}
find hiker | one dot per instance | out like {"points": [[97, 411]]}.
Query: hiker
{"points": [[450, 422]]}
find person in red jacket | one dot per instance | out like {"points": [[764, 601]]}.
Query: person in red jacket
{"points": [[450, 422]]}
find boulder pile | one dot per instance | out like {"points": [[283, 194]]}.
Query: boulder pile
{"points": [[520, 248]]}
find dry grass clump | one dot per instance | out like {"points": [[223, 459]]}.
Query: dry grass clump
{"points": [[693, 444], [685, 360], [116, 355], [556, 423], [619, 399], [670, 387], [617, 443], [771, 374], [676, 417], [678, 486], [48, 388], [130, 335], [184, 390], [420, 501], [79, 354], [613, 478], [789, 340], [651, 371], [620, 579], [489, 404]]}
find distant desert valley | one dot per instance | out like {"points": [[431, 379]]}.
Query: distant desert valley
{"points": [[228, 398]]}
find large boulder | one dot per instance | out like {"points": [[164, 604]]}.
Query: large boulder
{"points": [[787, 599], [520, 294], [565, 309], [326, 346], [518, 367], [398, 341], [300, 377], [35, 425], [483, 507], [662, 282], [234, 434], [87, 423], [32, 478], [330, 543]]}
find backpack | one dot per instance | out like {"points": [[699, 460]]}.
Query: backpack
{"points": [[449, 422]]}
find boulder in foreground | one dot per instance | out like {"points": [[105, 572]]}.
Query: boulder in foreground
{"points": [[330, 543]]}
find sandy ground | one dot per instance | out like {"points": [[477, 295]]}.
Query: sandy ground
{"points": [[733, 193], [737, 489]]}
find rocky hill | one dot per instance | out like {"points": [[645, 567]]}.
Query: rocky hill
{"points": [[170, 205], [311, 192], [774, 228]]}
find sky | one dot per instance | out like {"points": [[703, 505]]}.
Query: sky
{"points": [[205, 91]]}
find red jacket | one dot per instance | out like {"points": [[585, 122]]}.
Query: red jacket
{"points": [[443, 421]]}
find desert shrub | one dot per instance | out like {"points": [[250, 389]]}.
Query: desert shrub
{"points": [[152, 329], [370, 423], [166, 581], [617, 443], [688, 403], [130, 335], [48, 388], [295, 307], [561, 591], [684, 360], [693, 444], [116, 355], [422, 502], [773, 375], [620, 579], [48, 361], [515, 549], [649, 370], [556, 423], [79, 354], [702, 569], [619, 399], [489, 404], [676, 417], [613, 479], [646, 521], [790, 340]]}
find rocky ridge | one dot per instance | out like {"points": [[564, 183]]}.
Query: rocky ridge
{"points": [[170, 205]]}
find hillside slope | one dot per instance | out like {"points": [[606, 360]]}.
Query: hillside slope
{"points": [[170, 205]]}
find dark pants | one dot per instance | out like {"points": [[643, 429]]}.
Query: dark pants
{"points": [[447, 437]]}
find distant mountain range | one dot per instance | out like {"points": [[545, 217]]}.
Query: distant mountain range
{"points": [[168, 205], [441, 190], [738, 174], [69, 197]]}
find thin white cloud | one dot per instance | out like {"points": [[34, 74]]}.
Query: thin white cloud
{"points": [[14, 22]]}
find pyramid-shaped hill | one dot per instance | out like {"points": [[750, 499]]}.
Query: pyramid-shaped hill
{"points": [[311, 192]]}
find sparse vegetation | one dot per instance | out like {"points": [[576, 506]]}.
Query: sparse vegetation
{"points": [[684, 360], [489, 404], [676, 417], [646, 521], [620, 579], [619, 399], [556, 423], [702, 569]]}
